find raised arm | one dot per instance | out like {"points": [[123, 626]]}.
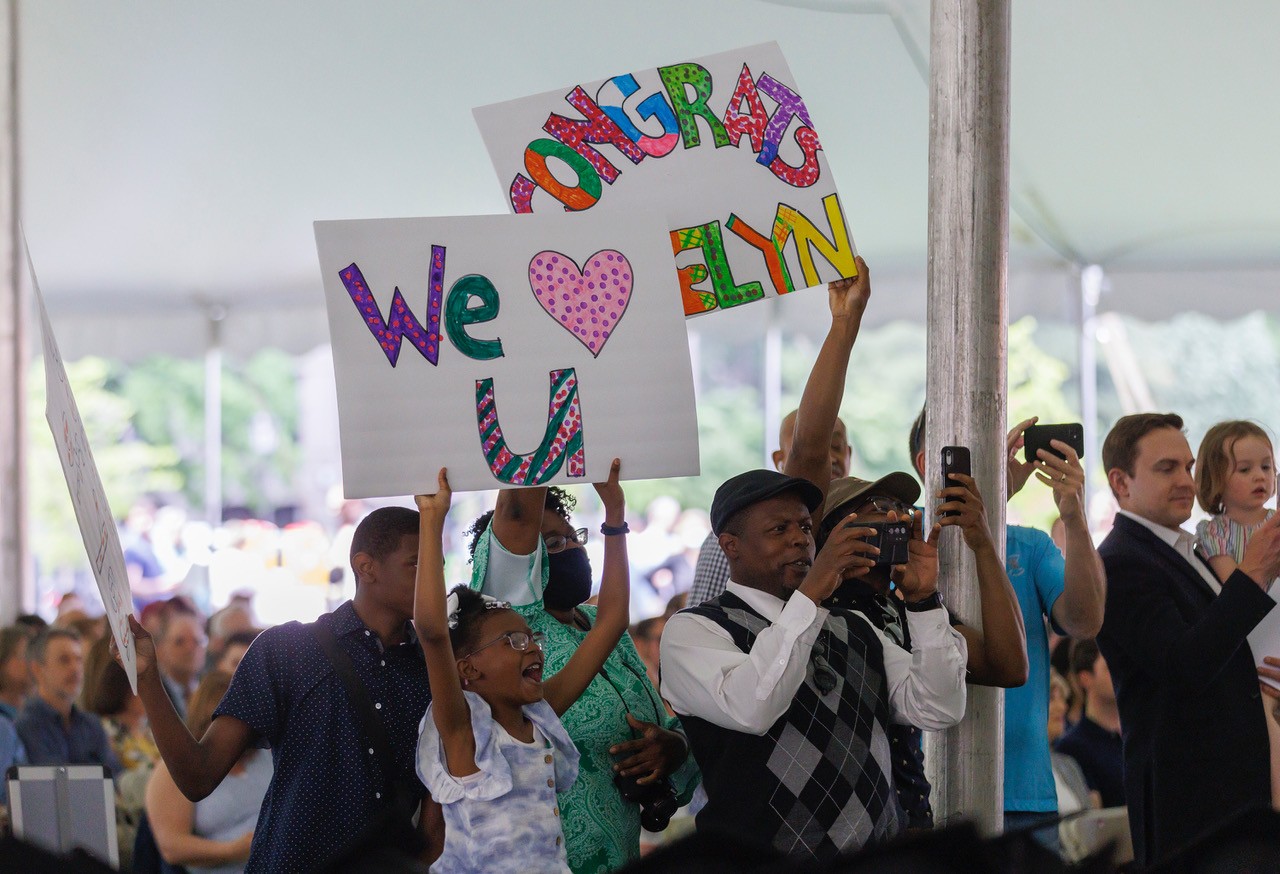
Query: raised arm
{"points": [[613, 606], [448, 705], [517, 519], [197, 766], [997, 652], [810, 449], [1079, 609]]}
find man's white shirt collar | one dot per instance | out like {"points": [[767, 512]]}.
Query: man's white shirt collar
{"points": [[1171, 536], [1183, 542], [768, 606]]}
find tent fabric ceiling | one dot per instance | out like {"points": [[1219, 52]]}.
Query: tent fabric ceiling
{"points": [[174, 153]]}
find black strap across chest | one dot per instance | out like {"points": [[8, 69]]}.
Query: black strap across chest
{"points": [[367, 716]]}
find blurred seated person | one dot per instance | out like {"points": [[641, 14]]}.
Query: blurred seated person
{"points": [[15, 676], [53, 729], [647, 635], [233, 650], [13, 688], [213, 834], [107, 693], [1073, 790], [1094, 740], [180, 644], [233, 619]]}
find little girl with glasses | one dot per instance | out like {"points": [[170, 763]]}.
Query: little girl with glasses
{"points": [[491, 749]]}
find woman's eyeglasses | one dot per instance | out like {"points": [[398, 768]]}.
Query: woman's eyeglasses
{"points": [[559, 543], [520, 641], [878, 504]]}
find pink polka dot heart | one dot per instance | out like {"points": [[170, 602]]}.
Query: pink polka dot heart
{"points": [[587, 301]]}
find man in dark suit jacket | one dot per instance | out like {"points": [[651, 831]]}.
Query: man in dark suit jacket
{"points": [[1194, 730]]}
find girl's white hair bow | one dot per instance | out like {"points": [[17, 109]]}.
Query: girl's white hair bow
{"points": [[452, 606]]}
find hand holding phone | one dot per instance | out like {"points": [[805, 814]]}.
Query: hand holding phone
{"points": [[955, 459], [1037, 437]]}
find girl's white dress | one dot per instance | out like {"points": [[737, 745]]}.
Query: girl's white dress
{"points": [[506, 817]]}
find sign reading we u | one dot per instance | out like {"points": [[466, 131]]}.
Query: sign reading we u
{"points": [[489, 303]]}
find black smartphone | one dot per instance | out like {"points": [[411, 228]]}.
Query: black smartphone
{"points": [[1038, 437], [892, 538], [955, 459]]}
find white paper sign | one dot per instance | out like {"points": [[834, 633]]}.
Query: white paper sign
{"points": [[1264, 640], [513, 350], [93, 513], [723, 148]]}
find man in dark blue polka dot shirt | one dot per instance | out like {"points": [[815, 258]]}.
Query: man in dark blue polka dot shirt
{"points": [[328, 786]]}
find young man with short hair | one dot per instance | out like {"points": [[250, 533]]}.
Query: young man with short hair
{"points": [[328, 786]]}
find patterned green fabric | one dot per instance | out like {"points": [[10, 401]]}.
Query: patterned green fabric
{"points": [[601, 830]]}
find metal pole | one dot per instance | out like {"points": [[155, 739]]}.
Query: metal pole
{"points": [[772, 382], [16, 584], [1091, 279], [213, 418], [967, 321]]}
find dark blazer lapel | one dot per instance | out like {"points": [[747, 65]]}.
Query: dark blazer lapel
{"points": [[1165, 554]]}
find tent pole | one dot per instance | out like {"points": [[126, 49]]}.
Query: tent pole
{"points": [[1091, 279], [17, 593], [966, 384]]}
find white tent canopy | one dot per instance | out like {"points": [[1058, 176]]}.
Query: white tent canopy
{"points": [[174, 154]]}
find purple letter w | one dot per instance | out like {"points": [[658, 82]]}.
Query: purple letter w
{"points": [[403, 323]]}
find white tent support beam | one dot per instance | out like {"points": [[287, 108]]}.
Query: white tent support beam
{"points": [[1091, 282], [15, 569], [966, 384]]}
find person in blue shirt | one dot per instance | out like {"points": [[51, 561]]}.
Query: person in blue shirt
{"points": [[1068, 590], [53, 729]]}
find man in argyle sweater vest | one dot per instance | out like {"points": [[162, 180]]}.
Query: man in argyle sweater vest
{"points": [[786, 703]]}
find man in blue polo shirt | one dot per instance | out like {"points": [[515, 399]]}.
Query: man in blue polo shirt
{"points": [[328, 786], [1067, 591]]}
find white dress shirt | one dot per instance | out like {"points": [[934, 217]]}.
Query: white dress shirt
{"points": [[1183, 543], [705, 674]]}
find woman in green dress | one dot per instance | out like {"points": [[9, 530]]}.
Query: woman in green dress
{"points": [[528, 553]]}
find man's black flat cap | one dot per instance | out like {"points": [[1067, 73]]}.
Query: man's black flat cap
{"points": [[739, 492]]}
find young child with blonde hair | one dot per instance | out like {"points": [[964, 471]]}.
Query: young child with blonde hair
{"points": [[1235, 477]]}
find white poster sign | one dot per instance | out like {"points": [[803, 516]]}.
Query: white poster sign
{"points": [[723, 148], [93, 513], [511, 350]]}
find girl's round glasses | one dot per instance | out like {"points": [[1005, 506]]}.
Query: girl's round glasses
{"points": [[518, 640]]}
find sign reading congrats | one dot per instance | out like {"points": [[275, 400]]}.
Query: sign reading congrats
{"points": [[722, 147]]}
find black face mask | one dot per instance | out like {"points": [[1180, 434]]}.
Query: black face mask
{"points": [[568, 579]]}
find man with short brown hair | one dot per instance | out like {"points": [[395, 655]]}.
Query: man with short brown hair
{"points": [[53, 729], [1194, 733]]}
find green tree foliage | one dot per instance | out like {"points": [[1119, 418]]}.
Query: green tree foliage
{"points": [[1208, 371], [130, 467], [259, 424]]}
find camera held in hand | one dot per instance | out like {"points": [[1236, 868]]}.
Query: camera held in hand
{"points": [[893, 539], [657, 800]]}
